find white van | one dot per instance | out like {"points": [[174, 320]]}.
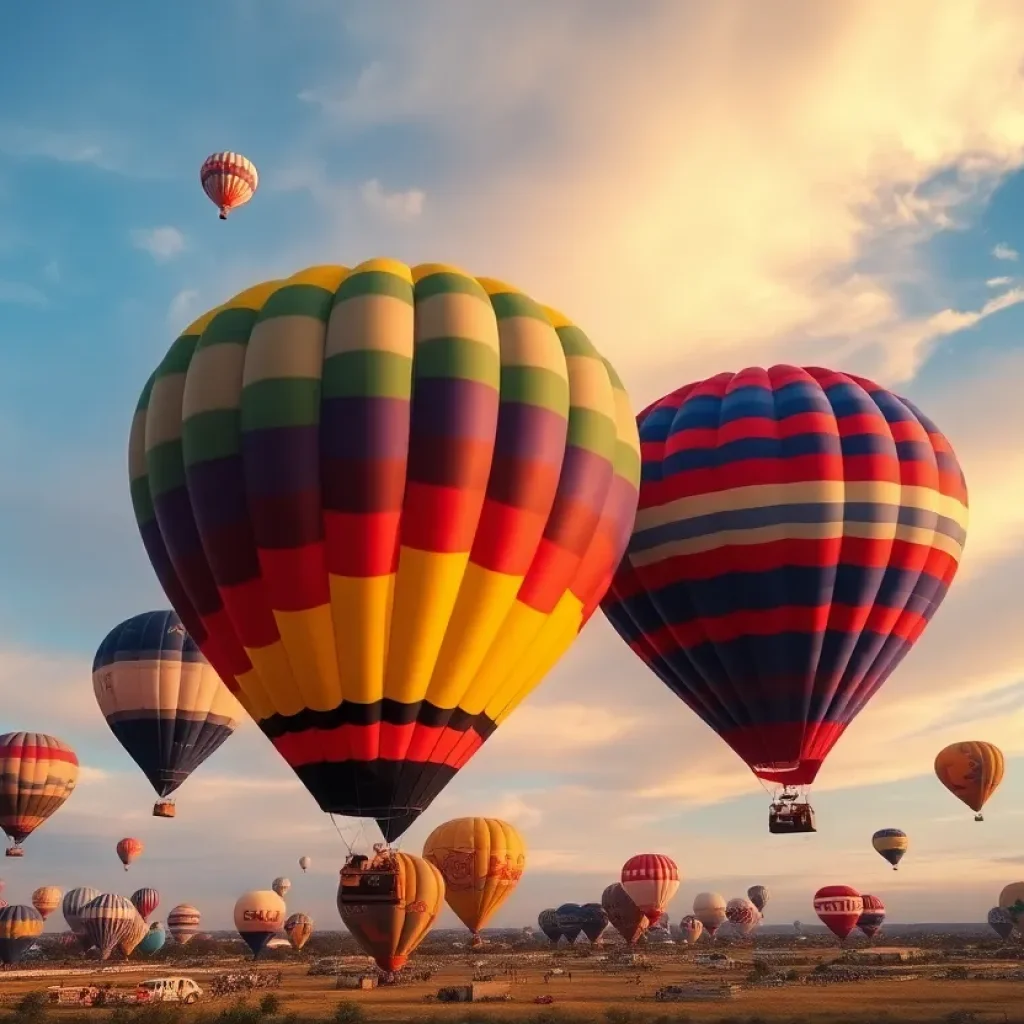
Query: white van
{"points": [[169, 990]]}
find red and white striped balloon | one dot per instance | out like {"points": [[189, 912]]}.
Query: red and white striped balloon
{"points": [[650, 881]]}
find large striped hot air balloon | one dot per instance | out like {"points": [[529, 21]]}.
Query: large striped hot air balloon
{"points": [[183, 923], [145, 901], [229, 180], [482, 860], [383, 501], [872, 917], [162, 700], [46, 899], [891, 844], [298, 928], [839, 908], [390, 927], [106, 921], [71, 906], [625, 916], [797, 530], [19, 928], [259, 916], [650, 881], [37, 774], [971, 771]]}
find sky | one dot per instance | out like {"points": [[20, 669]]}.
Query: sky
{"points": [[702, 186]]}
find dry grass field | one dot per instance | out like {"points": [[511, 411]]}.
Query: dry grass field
{"points": [[593, 989]]}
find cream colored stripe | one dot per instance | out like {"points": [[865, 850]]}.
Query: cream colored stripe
{"points": [[527, 341], [163, 419], [214, 379], [373, 323], [456, 315], [285, 347]]}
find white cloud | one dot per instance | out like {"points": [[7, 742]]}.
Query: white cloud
{"points": [[182, 309], [163, 243], [998, 282], [1003, 252], [16, 293], [399, 206], [74, 147]]}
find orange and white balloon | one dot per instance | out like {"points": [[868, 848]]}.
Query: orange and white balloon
{"points": [[650, 881], [229, 179]]}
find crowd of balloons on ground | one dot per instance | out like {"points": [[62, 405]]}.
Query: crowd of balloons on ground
{"points": [[384, 500]]}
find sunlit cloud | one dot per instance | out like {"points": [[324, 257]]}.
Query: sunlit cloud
{"points": [[163, 243], [1004, 252]]}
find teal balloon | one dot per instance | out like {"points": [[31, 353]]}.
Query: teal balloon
{"points": [[153, 941]]}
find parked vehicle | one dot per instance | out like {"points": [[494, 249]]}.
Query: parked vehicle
{"points": [[169, 990]]}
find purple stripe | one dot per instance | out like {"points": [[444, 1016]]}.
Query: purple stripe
{"points": [[281, 460], [452, 407], [585, 478], [177, 523], [530, 433], [364, 428], [216, 490]]}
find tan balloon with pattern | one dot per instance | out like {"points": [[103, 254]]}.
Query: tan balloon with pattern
{"points": [[971, 771], [481, 860], [389, 930], [135, 934]]}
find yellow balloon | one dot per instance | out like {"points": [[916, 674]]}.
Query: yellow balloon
{"points": [[46, 899], [971, 771], [389, 929], [482, 860]]}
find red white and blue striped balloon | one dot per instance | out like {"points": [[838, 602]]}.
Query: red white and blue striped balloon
{"points": [[797, 530]]}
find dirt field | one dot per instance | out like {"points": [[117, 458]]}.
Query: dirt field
{"points": [[594, 988]]}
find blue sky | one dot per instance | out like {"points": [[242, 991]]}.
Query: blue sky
{"points": [[697, 189]]}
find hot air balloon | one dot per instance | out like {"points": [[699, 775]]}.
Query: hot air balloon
{"points": [[690, 929], [106, 921], [153, 941], [37, 774], [759, 896], [872, 916], [839, 907], [1001, 922], [390, 907], [594, 921], [797, 530], [971, 771], [625, 916], [137, 931], [3, 903], [183, 923], [281, 886], [709, 909], [650, 881], [891, 843], [162, 700], [145, 901], [3, 885], [74, 901], [259, 915], [1011, 899], [305, 863], [229, 181], [46, 899], [570, 921], [381, 556], [129, 850], [742, 915], [547, 921], [481, 860], [298, 928], [19, 928]]}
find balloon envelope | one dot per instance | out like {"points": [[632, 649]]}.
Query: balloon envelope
{"points": [[74, 901], [145, 901], [594, 921], [46, 899], [872, 916], [305, 863], [742, 915], [625, 916], [481, 860], [891, 844], [759, 896], [298, 928], [19, 929], [281, 886], [183, 923], [971, 771], [229, 180], [152, 942], [709, 909], [547, 922], [162, 700], [417, 541], [1001, 922], [650, 881], [839, 908], [39, 774], [691, 929], [107, 920], [128, 850], [762, 491], [570, 921], [133, 935], [391, 931], [1011, 899], [259, 915]]}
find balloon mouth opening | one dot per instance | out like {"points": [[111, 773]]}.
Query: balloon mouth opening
{"points": [[392, 963]]}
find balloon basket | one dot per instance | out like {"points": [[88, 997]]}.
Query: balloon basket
{"points": [[164, 809], [15, 851]]}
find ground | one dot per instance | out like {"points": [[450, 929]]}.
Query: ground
{"points": [[597, 986]]}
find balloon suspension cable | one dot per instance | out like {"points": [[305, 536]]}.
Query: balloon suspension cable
{"points": [[341, 835]]}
